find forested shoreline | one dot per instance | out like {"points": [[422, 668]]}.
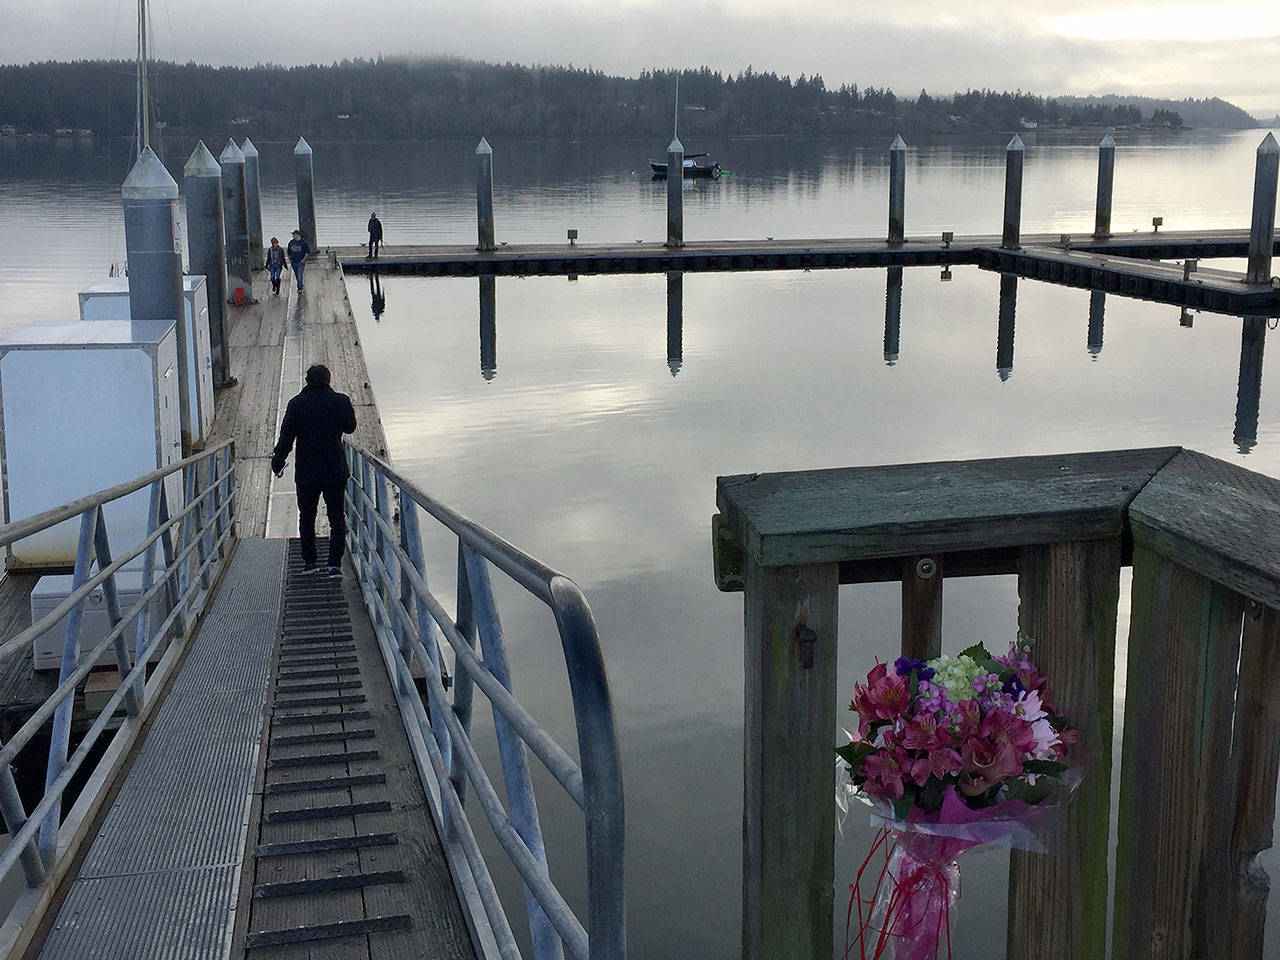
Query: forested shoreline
{"points": [[421, 98]]}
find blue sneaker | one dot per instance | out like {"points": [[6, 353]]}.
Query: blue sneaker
{"points": [[335, 572]]}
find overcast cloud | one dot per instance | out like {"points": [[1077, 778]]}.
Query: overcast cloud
{"points": [[1179, 50]]}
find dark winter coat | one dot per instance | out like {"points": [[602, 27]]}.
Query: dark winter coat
{"points": [[298, 250], [375, 228], [275, 257], [316, 418]]}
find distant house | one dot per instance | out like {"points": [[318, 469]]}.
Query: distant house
{"points": [[8, 130], [695, 107]]}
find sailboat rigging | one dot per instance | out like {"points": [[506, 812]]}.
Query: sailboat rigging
{"points": [[691, 169]]}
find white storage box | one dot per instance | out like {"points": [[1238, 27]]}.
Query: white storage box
{"points": [[108, 299], [49, 591], [83, 407]]}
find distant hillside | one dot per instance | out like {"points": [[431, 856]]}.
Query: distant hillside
{"points": [[404, 98], [1211, 112]]}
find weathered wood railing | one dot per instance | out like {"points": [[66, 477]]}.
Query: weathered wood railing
{"points": [[1202, 738]]}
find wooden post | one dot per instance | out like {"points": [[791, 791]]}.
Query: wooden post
{"points": [[1097, 314], [1256, 758], [1106, 179], [897, 189], [675, 321], [1014, 153], [1068, 594], [488, 326], [1253, 337], [892, 314], [1176, 792], [1263, 229], [922, 607], [1004, 329], [675, 194], [788, 814], [484, 196]]}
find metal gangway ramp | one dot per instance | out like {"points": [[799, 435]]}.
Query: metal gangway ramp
{"points": [[278, 785]]}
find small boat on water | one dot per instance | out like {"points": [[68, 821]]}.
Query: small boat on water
{"points": [[692, 169]]}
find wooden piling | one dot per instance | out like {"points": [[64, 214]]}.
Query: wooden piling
{"points": [[207, 250], [675, 194], [922, 607], [235, 213], [1262, 231], [253, 199], [484, 196], [1106, 179], [1014, 154], [897, 189], [305, 186]]}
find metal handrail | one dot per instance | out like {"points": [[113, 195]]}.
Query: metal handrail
{"points": [[204, 530], [410, 623]]}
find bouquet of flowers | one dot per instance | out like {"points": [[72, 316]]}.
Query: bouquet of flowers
{"points": [[952, 753]]}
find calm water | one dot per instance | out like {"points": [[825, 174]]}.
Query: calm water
{"points": [[582, 438]]}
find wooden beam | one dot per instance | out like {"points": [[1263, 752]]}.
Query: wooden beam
{"points": [[1068, 598], [922, 607], [788, 869], [1174, 826], [815, 516]]}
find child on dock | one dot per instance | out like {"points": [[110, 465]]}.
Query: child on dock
{"points": [[298, 250], [275, 264]]}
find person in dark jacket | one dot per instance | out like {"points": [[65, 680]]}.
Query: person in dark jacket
{"points": [[298, 250], [316, 419], [275, 264], [375, 236]]}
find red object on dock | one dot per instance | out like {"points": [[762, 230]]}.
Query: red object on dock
{"points": [[239, 297]]}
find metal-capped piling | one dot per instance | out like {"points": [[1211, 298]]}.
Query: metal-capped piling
{"points": [[253, 198], [1014, 153], [1262, 231], [897, 189], [305, 184], [207, 249], [235, 213], [484, 196], [675, 194], [1106, 180], [155, 261]]}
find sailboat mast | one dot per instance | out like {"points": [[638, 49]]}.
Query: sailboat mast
{"points": [[675, 120], [144, 111]]}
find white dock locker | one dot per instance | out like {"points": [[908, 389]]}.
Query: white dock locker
{"points": [[95, 623], [108, 299], [83, 407]]}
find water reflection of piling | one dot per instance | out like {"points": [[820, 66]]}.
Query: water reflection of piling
{"points": [[1004, 337], [892, 314], [675, 321], [488, 327], [1253, 336], [1097, 309]]}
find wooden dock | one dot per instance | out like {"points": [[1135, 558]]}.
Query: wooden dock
{"points": [[1121, 266]]}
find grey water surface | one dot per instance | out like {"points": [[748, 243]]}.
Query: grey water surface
{"points": [[590, 436]]}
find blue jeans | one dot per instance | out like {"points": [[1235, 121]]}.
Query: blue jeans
{"points": [[298, 267]]}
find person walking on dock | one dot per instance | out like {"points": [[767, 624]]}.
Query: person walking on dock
{"points": [[275, 264], [316, 419], [298, 250], [375, 236]]}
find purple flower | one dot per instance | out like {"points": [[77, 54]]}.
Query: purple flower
{"points": [[904, 665]]}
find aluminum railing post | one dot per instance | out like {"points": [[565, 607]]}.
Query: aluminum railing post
{"points": [[463, 685], [200, 518], [102, 546], [142, 638], [15, 817], [60, 736], [169, 553], [521, 803]]}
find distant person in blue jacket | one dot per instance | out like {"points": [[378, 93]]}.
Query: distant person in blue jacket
{"points": [[298, 250], [275, 264], [375, 236]]}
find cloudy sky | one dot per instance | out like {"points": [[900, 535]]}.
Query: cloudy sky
{"points": [[1231, 50]]}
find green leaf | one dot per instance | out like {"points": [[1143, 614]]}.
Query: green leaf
{"points": [[931, 795], [854, 753], [978, 652], [1021, 790], [1046, 768], [902, 806]]}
